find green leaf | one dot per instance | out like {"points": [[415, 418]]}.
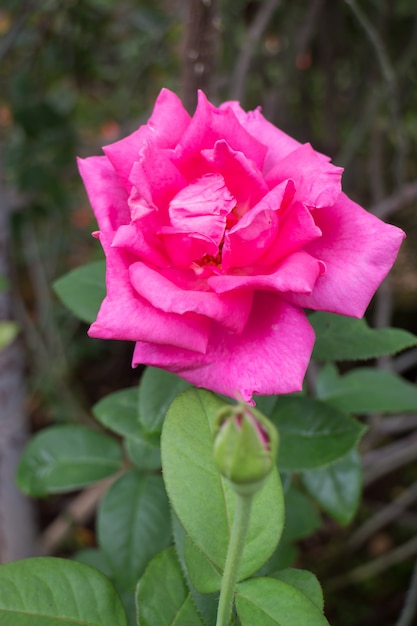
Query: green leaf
{"points": [[119, 412], [304, 581], [301, 517], [366, 390], [144, 451], [312, 433], [284, 556], [57, 592], [162, 595], [8, 332], [157, 390], [205, 576], [93, 557], [64, 458], [272, 602], [206, 603], [133, 525], [341, 338], [202, 500], [337, 487], [83, 290]]}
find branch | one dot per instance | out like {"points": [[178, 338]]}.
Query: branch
{"points": [[405, 195], [391, 82], [384, 460], [247, 52], [384, 516], [375, 567], [79, 511]]}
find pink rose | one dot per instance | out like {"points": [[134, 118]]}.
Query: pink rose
{"points": [[218, 230]]}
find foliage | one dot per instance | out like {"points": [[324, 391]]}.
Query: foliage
{"points": [[75, 75]]}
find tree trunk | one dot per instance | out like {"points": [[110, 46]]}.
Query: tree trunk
{"points": [[17, 529], [200, 50]]}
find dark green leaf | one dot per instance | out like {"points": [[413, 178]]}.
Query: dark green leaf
{"points": [[93, 557], [64, 458], [133, 525], [57, 592], [272, 602], [144, 451], [337, 487], [366, 390], [341, 338], [284, 556], [83, 290], [162, 595], [301, 517], [312, 434], [204, 501], [119, 412], [157, 390]]}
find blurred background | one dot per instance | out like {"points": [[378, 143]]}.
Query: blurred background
{"points": [[79, 74]]}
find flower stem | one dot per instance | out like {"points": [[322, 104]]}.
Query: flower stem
{"points": [[234, 554]]}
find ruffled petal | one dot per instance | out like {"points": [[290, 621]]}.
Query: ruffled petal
{"points": [[297, 228], [358, 250], [127, 316], [242, 176], [167, 123], [317, 182], [141, 240], [297, 273], [203, 207], [253, 235], [155, 178], [230, 310], [185, 249], [208, 125], [111, 210], [269, 357], [279, 143]]}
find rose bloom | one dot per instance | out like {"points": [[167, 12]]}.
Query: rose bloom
{"points": [[218, 231]]}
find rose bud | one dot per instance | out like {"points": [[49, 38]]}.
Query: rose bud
{"points": [[245, 447]]}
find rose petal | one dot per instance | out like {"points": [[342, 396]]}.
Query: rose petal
{"points": [[203, 207], [296, 229], [99, 176], [230, 310], [139, 238], [243, 179], [155, 177], [297, 273], [208, 125], [269, 357], [317, 182], [253, 235], [185, 249], [167, 123], [279, 143], [127, 316], [358, 250]]}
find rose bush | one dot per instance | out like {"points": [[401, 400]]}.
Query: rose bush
{"points": [[218, 231]]}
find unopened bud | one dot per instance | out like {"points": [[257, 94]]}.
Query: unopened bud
{"points": [[245, 447]]}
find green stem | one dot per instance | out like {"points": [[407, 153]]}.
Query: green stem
{"points": [[234, 554]]}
